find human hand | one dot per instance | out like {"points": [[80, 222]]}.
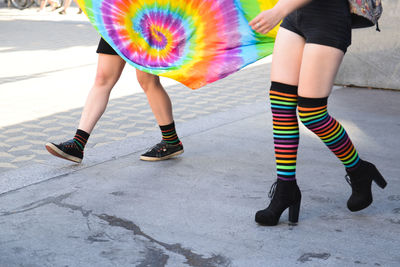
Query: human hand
{"points": [[266, 21]]}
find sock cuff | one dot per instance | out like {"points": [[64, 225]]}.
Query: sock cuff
{"points": [[284, 88], [82, 134], [167, 127], [308, 102]]}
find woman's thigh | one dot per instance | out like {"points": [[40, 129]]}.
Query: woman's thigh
{"points": [[109, 69], [287, 57], [319, 67]]}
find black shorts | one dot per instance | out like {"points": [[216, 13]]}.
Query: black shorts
{"points": [[324, 22], [105, 48]]}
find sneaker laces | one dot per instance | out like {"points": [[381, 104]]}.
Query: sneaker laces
{"points": [[160, 146], [272, 190], [69, 143]]}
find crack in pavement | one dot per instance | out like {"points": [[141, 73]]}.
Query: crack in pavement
{"points": [[154, 257], [192, 259], [37, 204], [309, 256]]}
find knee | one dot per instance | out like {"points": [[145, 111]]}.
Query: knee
{"points": [[149, 82], [104, 79], [312, 111]]}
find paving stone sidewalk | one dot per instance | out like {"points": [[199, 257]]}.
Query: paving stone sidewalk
{"points": [[23, 144], [56, 47]]}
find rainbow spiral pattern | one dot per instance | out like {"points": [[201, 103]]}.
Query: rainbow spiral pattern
{"points": [[195, 42]]}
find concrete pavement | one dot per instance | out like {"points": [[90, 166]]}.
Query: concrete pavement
{"points": [[196, 209]]}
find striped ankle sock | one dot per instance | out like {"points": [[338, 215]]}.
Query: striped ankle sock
{"points": [[169, 135], [283, 99], [81, 137], [313, 113]]}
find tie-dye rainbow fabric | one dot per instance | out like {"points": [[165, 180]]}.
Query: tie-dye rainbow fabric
{"points": [[195, 42]]}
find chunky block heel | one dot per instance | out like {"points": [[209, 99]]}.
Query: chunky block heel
{"points": [[283, 194], [294, 212], [360, 181], [378, 178]]}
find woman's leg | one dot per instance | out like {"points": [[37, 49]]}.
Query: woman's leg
{"points": [[287, 57], [161, 106], [318, 71], [158, 98], [286, 64], [285, 69], [43, 4], [319, 67], [67, 3], [109, 69]]}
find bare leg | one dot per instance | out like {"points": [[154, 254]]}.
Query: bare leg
{"points": [[67, 3], [318, 70], [43, 4], [109, 69], [287, 57], [158, 98]]}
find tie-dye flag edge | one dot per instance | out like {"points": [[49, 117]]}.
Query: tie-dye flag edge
{"points": [[195, 42]]}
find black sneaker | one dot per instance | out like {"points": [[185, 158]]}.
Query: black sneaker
{"points": [[68, 150], [162, 151]]}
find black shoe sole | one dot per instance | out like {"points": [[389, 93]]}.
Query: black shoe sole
{"points": [[145, 158], [55, 151]]}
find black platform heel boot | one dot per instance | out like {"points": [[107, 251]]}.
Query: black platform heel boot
{"points": [[360, 181], [283, 194]]}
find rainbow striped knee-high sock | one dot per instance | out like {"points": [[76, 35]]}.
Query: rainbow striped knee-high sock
{"points": [[283, 99], [313, 113]]}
